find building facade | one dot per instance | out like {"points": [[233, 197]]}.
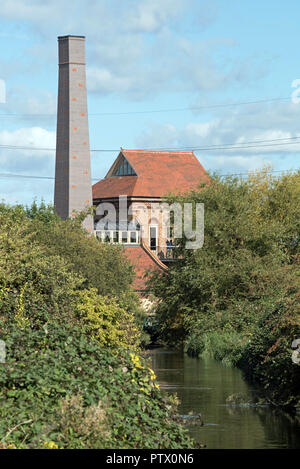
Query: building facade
{"points": [[130, 199]]}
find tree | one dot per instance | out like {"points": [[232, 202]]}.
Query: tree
{"points": [[215, 299]]}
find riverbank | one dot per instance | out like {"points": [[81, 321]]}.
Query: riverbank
{"points": [[264, 355], [237, 298], [204, 386]]}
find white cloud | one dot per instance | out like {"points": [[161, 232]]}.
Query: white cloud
{"points": [[234, 164], [159, 136], [21, 9], [169, 63], [137, 47], [35, 136], [132, 15], [151, 15], [24, 100], [32, 161], [201, 129], [102, 80], [272, 127]]}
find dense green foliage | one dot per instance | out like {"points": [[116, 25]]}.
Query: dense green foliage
{"points": [[107, 321], [72, 376], [59, 386], [102, 266], [237, 298]]}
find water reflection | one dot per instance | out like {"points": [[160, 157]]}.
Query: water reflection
{"points": [[203, 386]]}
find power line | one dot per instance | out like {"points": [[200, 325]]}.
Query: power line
{"points": [[30, 176], [267, 172], [222, 146], [31, 116], [155, 111], [240, 143], [25, 176], [246, 146], [225, 146], [192, 108], [17, 147]]}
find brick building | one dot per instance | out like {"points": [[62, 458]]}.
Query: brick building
{"points": [[138, 181]]}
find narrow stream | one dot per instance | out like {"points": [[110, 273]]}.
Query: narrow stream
{"points": [[203, 385]]}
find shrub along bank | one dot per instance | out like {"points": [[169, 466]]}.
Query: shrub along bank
{"points": [[237, 298], [73, 376]]}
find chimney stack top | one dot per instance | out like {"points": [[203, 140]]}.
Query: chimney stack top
{"points": [[71, 50], [70, 36]]}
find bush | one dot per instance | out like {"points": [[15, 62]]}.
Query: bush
{"points": [[99, 265], [110, 324], [267, 357], [224, 346], [72, 378], [102, 266], [57, 380], [216, 298]]}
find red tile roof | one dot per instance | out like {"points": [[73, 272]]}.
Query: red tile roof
{"points": [[158, 173], [142, 262]]}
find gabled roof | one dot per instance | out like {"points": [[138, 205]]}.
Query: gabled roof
{"points": [[158, 173]]}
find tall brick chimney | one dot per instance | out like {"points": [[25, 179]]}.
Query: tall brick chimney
{"points": [[73, 186]]}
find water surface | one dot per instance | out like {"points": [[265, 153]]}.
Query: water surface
{"points": [[203, 385]]}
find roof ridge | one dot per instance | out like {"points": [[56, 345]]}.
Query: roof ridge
{"points": [[158, 151]]}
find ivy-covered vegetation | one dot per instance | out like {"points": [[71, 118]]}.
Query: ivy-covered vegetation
{"points": [[237, 298], [73, 376]]}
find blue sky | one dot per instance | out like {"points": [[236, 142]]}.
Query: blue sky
{"points": [[151, 55]]}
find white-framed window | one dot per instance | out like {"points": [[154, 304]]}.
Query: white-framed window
{"points": [[124, 237], [153, 236], [133, 237], [115, 237], [118, 237]]}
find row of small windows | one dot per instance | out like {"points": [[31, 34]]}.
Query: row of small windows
{"points": [[118, 237]]}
